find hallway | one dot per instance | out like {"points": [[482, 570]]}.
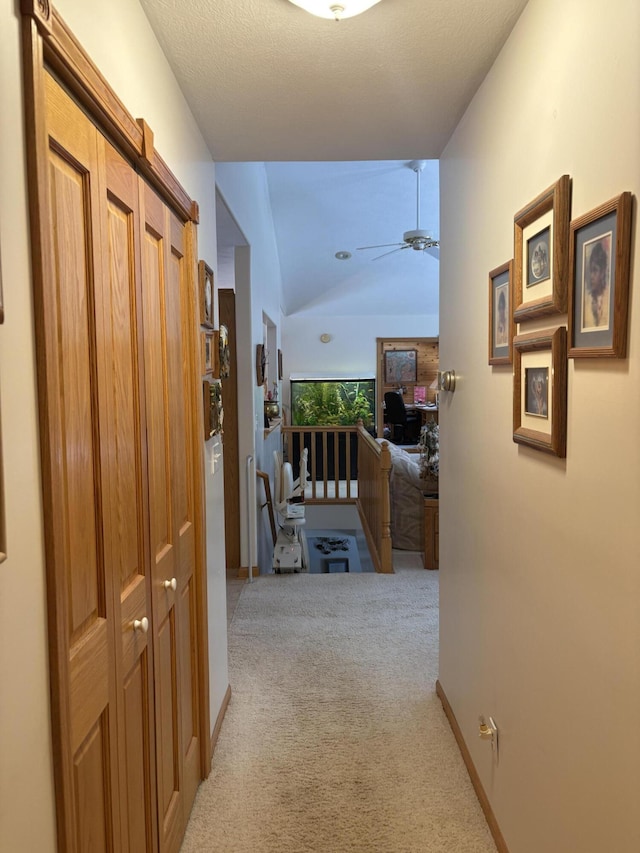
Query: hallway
{"points": [[334, 739]]}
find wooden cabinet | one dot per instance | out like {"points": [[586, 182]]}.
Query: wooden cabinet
{"points": [[117, 358], [431, 533]]}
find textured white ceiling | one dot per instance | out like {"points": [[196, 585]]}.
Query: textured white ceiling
{"points": [[267, 82]]}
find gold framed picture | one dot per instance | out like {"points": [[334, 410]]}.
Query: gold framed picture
{"points": [[541, 253], [207, 352], [205, 288], [501, 324], [540, 390], [600, 261]]}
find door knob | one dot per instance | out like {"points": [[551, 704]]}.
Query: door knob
{"points": [[172, 584], [141, 624], [447, 380]]}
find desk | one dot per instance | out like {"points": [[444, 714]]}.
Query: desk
{"points": [[425, 412]]}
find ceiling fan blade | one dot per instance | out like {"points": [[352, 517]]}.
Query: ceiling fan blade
{"points": [[382, 246], [434, 251], [392, 252]]}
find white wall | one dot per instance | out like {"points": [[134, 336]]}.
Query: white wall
{"points": [[243, 186], [25, 763], [540, 557], [352, 348], [120, 41]]}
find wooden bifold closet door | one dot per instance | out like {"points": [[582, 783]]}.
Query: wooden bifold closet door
{"points": [[118, 422]]}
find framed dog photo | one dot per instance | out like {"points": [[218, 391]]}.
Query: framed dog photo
{"points": [[541, 253], [501, 324], [600, 260], [540, 390]]}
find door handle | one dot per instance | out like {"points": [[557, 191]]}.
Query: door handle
{"points": [[172, 584], [141, 624]]}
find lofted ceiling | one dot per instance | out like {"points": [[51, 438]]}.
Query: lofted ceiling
{"points": [[268, 82]]}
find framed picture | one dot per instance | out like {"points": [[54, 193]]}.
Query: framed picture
{"points": [[261, 364], [280, 372], [215, 354], [207, 352], [501, 324], [205, 287], [224, 354], [540, 390], [600, 260], [400, 366], [541, 253], [212, 408]]}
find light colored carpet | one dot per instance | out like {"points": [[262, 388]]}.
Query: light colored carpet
{"points": [[334, 739]]}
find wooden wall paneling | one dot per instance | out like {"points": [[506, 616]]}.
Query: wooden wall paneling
{"points": [[428, 360], [79, 490], [227, 313]]}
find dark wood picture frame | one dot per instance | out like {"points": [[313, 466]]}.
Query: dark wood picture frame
{"points": [[598, 310], [542, 229], [261, 364], [280, 371], [205, 294], [501, 323], [528, 429], [400, 366]]}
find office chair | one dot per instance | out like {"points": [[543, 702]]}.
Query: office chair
{"points": [[403, 424]]}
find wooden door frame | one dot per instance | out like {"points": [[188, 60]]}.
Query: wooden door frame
{"points": [[48, 44]]}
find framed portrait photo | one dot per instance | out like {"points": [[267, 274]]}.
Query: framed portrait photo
{"points": [[600, 260], [541, 253], [540, 390], [400, 366], [205, 288], [501, 324], [207, 352]]}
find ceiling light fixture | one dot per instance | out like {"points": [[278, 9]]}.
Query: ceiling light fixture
{"points": [[343, 256], [335, 9]]}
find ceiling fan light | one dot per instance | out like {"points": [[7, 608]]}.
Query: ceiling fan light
{"points": [[335, 11]]}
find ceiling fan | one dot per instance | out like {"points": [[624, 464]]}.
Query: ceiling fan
{"points": [[418, 239]]}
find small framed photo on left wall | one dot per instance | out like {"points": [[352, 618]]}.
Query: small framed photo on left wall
{"points": [[501, 324]]}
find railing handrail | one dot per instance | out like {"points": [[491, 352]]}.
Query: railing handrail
{"points": [[373, 467], [324, 428]]}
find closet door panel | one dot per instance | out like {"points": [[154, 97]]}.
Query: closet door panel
{"points": [[126, 520], [179, 318], [84, 641], [163, 435]]}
